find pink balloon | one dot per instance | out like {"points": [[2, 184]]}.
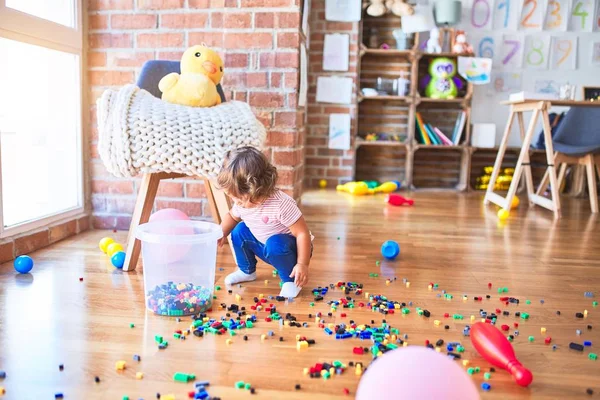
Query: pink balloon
{"points": [[169, 214], [415, 373], [170, 253]]}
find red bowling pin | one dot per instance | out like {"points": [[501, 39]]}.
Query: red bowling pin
{"points": [[497, 350], [397, 200]]}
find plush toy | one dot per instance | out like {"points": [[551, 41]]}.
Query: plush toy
{"points": [[460, 43], [201, 72], [433, 43], [442, 82], [376, 8], [399, 8]]}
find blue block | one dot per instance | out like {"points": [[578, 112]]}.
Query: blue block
{"points": [[486, 386], [587, 343], [328, 331]]}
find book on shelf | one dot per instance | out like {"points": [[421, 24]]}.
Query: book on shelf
{"points": [[429, 134]]}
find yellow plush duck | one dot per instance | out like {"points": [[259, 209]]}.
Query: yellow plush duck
{"points": [[201, 71]]}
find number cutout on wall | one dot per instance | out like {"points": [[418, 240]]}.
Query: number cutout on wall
{"points": [[512, 51], [557, 15], [481, 14], [506, 14], [582, 15], [536, 51], [532, 15], [563, 53]]}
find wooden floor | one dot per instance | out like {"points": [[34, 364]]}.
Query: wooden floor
{"points": [[50, 317]]}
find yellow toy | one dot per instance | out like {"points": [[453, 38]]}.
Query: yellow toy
{"points": [[386, 187], [201, 72], [104, 243], [322, 183], [503, 214], [361, 188], [514, 203], [112, 248], [355, 188]]}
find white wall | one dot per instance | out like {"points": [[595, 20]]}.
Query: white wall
{"points": [[485, 105]]}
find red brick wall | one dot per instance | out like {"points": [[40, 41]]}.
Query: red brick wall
{"points": [[258, 40], [336, 166]]}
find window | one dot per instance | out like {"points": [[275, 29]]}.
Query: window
{"points": [[40, 113]]}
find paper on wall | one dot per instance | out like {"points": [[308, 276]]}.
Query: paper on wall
{"points": [[334, 89], [475, 70], [596, 53], [339, 131], [336, 52], [505, 81], [343, 10], [302, 93]]}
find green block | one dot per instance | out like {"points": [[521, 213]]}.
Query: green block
{"points": [[531, 338], [510, 339], [247, 386], [405, 311], [377, 263], [435, 285], [500, 290], [524, 315], [420, 312], [595, 303], [470, 371], [217, 287], [280, 284], [183, 377], [395, 331], [457, 316], [527, 301], [460, 349], [392, 346], [337, 364], [249, 324], [158, 339], [125, 397], [477, 369], [487, 376], [312, 304], [593, 356], [505, 289], [231, 333], [132, 325], [239, 384], [176, 335], [214, 297]]}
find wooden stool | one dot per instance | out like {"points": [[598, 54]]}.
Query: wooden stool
{"points": [[219, 203]]}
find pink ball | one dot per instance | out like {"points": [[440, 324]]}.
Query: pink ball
{"points": [[415, 373], [169, 214]]}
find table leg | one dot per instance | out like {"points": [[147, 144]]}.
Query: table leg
{"points": [[521, 163], [526, 163], [498, 164]]}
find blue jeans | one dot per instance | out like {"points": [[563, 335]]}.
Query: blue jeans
{"points": [[280, 251]]}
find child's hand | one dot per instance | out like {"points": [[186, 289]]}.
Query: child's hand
{"points": [[300, 274], [221, 242]]}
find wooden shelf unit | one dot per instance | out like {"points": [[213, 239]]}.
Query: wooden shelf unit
{"points": [[396, 115]]}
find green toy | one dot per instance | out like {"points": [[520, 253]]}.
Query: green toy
{"points": [[442, 82]]}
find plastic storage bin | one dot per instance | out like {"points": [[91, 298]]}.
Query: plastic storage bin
{"points": [[179, 265]]}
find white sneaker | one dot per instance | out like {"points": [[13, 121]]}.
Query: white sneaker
{"points": [[239, 276]]}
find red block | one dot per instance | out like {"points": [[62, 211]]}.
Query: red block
{"points": [[505, 327], [503, 298], [498, 311], [268, 319], [391, 311], [489, 285], [358, 350], [516, 324], [548, 340], [446, 315], [343, 315], [361, 304], [346, 391]]}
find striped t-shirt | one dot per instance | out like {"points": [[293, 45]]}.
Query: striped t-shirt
{"points": [[274, 216]]}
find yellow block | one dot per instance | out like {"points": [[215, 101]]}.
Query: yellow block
{"points": [[263, 337], [366, 295], [437, 322], [397, 306], [260, 296], [465, 363], [139, 375], [2, 391], [407, 284], [438, 349], [405, 344], [306, 371], [543, 330], [167, 397], [472, 318], [228, 341], [297, 338], [120, 365], [238, 298]]}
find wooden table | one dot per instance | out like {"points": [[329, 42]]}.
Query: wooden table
{"points": [[538, 107]]}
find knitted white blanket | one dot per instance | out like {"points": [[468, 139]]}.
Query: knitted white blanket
{"points": [[141, 133]]}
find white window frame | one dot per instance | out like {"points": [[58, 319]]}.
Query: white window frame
{"points": [[21, 27]]}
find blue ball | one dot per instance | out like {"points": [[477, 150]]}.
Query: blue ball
{"points": [[118, 259], [23, 264], [390, 249]]}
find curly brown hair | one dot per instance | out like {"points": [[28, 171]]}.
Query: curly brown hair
{"points": [[247, 172]]}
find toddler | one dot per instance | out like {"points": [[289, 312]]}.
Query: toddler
{"points": [[264, 222]]}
